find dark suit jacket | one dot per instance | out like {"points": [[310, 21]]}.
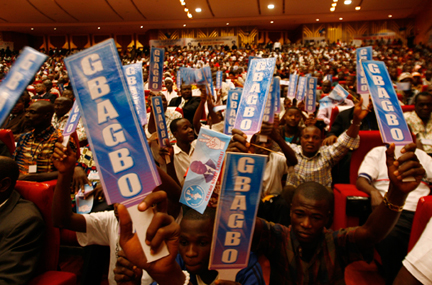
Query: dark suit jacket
{"points": [[189, 107], [47, 95], [343, 122]]}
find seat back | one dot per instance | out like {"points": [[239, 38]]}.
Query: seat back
{"points": [[334, 113], [421, 218], [41, 194], [7, 138], [408, 108], [368, 140]]}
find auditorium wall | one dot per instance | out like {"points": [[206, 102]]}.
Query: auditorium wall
{"points": [[423, 22]]}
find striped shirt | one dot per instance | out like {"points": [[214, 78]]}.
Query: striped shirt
{"points": [[318, 168]]}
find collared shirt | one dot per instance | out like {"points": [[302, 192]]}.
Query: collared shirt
{"points": [[333, 253], [37, 150], [318, 168], [182, 160], [60, 123], [417, 127]]}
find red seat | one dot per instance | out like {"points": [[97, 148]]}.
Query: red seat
{"points": [[41, 194], [7, 138], [334, 113], [408, 108], [422, 216], [342, 192]]}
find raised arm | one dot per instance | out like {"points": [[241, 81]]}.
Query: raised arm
{"points": [[199, 111]]}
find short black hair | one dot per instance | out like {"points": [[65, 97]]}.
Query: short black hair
{"points": [[421, 94], [315, 191], [173, 125], [191, 214], [9, 168]]}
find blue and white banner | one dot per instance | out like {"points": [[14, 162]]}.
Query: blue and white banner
{"points": [[206, 70], [276, 94], [250, 61], [292, 85], [71, 123], [364, 53], [219, 79], [329, 77], [187, 75], [156, 68], [233, 102], [124, 161], [310, 102], [159, 119], [204, 169], [338, 93], [326, 102], [16, 81], [270, 107], [391, 122], [134, 78], [236, 211], [301, 90], [179, 79], [199, 76], [254, 96]]}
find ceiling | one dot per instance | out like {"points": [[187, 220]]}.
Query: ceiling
{"points": [[137, 16]]}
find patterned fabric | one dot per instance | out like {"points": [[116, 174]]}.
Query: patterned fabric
{"points": [[60, 123], [318, 168], [37, 150], [332, 254], [418, 128]]}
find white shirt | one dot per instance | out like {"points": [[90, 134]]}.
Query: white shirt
{"points": [[374, 169], [170, 96], [276, 167], [182, 160]]}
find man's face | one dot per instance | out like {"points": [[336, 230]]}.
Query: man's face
{"points": [[195, 244], [393, 73], [326, 87], [184, 131], [423, 107], [308, 218], [40, 88], [293, 117], [169, 85], [61, 106], [186, 91], [310, 141], [35, 115]]}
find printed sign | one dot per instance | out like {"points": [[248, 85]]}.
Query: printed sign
{"points": [[179, 79], [301, 90], [250, 61], [203, 173], [276, 94], [310, 103], [269, 109], [236, 212], [187, 75], [254, 96], [159, 116], [338, 93], [113, 128], [219, 79], [16, 81], [233, 102], [391, 122], [156, 68], [329, 77], [134, 78], [364, 53], [72, 123], [292, 85]]}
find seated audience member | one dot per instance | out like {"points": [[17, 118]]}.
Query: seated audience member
{"points": [[420, 120], [324, 114], [373, 179], [181, 151], [186, 102], [62, 106], [170, 93], [34, 149], [416, 269], [305, 252], [326, 88], [101, 228], [215, 120], [196, 234], [69, 94], [409, 93], [50, 89], [21, 231], [42, 93], [291, 131]]}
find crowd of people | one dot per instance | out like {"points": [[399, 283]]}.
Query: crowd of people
{"points": [[307, 154]]}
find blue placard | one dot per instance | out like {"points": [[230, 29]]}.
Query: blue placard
{"points": [[310, 102], [276, 94], [134, 78], [114, 131], [338, 93], [329, 77], [236, 211], [72, 122], [326, 102], [391, 122], [219, 79], [269, 109], [199, 76], [254, 96], [364, 53], [292, 85], [206, 70], [204, 169], [250, 61], [301, 90], [233, 102], [159, 116], [16, 81], [179, 79], [187, 75], [156, 68]]}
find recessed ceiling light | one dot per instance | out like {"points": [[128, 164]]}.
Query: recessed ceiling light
{"points": [[334, 4], [189, 15], [198, 10], [142, 27], [358, 8], [32, 29], [184, 25], [270, 6], [347, 2], [332, 9], [55, 29], [335, 1], [390, 16], [186, 9], [317, 20], [340, 19], [227, 24], [98, 28], [271, 22]]}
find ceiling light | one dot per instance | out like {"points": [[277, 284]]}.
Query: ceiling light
{"points": [[186, 9], [184, 25], [227, 24], [270, 6], [142, 27], [55, 29], [32, 29], [98, 28], [335, 1], [198, 10], [347, 2], [317, 20], [183, 3], [332, 9], [390, 16], [271, 22], [340, 19], [358, 8], [189, 15], [334, 4]]}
